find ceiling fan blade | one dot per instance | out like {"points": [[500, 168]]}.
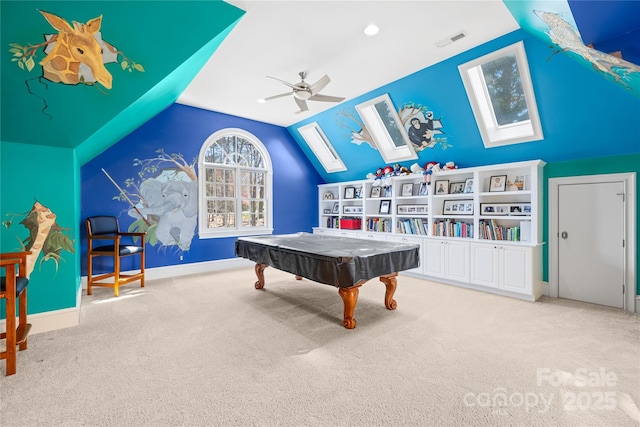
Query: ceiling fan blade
{"points": [[320, 84], [326, 98], [302, 104], [287, 83], [278, 96]]}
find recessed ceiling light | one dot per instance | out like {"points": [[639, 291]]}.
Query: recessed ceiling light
{"points": [[371, 30], [261, 101]]}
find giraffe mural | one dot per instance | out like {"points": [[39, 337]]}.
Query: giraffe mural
{"points": [[73, 48], [76, 54]]}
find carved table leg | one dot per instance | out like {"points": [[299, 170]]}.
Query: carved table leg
{"points": [[390, 282], [260, 273], [350, 298]]}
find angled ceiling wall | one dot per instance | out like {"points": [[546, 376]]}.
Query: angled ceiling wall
{"points": [[170, 39]]}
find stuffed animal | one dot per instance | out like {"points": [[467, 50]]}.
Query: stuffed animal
{"points": [[430, 168], [449, 166], [416, 168]]}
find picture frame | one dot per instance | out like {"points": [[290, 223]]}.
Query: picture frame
{"points": [[519, 181], [456, 188], [407, 189], [498, 183], [385, 207], [520, 209], [326, 211], [468, 185], [336, 208], [413, 209], [327, 196], [441, 187], [350, 192], [352, 209], [501, 209], [423, 190], [375, 192], [359, 192], [458, 207], [388, 191], [487, 209]]}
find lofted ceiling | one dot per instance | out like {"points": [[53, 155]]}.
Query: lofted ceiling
{"points": [[231, 47], [282, 38]]}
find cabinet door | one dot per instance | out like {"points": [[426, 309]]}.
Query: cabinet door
{"points": [[434, 259], [456, 261], [484, 265], [515, 270]]}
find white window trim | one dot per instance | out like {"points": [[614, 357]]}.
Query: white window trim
{"points": [[378, 131], [322, 147], [494, 135], [206, 233]]}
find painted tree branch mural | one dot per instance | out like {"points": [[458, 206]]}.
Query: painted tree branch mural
{"points": [[45, 236]]}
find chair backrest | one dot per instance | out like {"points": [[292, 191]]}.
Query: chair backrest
{"points": [[97, 225]]}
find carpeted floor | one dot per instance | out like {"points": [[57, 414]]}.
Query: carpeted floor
{"points": [[210, 350]]}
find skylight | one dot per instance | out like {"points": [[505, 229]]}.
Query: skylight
{"points": [[322, 147], [501, 94]]}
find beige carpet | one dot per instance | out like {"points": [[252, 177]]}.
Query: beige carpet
{"points": [[210, 350]]}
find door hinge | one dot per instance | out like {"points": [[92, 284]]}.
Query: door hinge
{"points": [[623, 243]]}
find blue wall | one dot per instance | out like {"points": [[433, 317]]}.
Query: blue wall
{"points": [[182, 129], [583, 115]]}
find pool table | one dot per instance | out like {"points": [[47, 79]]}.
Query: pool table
{"points": [[344, 262]]}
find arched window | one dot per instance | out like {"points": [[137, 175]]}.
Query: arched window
{"points": [[235, 185]]}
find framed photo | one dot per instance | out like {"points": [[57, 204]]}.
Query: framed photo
{"points": [[387, 191], [468, 185], [375, 192], [327, 196], [359, 192], [526, 209], [456, 188], [520, 209], [326, 211], [407, 189], [413, 209], [352, 209], [501, 209], [487, 209], [442, 187], [336, 208], [457, 207], [424, 189], [385, 207], [498, 183], [350, 192]]}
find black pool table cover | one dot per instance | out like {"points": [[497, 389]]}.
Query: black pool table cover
{"points": [[334, 260]]}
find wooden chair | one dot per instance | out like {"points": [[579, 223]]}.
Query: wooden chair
{"points": [[14, 285], [105, 229]]}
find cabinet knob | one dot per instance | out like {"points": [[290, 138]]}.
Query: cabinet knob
{"points": [[564, 235]]}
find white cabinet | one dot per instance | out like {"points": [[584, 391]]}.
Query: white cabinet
{"points": [[448, 259], [505, 267]]}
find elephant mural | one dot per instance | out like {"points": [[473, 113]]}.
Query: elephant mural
{"points": [[175, 204]]}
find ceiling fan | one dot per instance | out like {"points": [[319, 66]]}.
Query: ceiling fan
{"points": [[303, 92]]}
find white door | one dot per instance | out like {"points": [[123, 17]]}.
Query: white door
{"points": [[591, 242]]}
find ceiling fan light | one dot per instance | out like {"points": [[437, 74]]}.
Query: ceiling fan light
{"points": [[371, 30], [302, 94]]}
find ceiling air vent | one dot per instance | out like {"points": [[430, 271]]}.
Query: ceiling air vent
{"points": [[451, 39]]}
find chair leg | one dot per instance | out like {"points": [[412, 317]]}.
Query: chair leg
{"points": [[142, 268], [10, 340], [89, 274], [23, 317], [116, 268]]}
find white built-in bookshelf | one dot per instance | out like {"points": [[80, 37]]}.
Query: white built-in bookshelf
{"points": [[477, 227]]}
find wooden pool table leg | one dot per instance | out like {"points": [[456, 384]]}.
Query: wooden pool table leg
{"points": [[350, 298], [260, 273], [390, 282]]}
